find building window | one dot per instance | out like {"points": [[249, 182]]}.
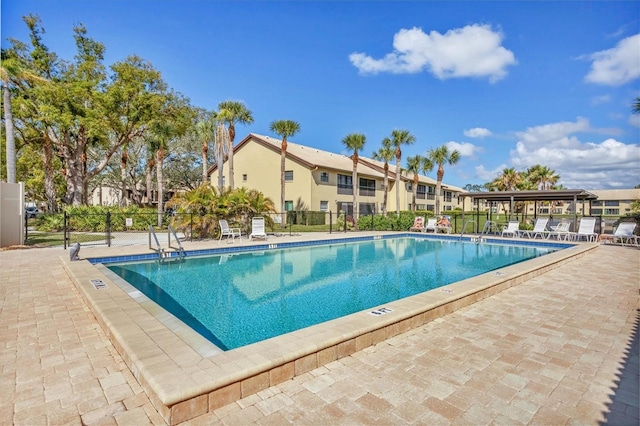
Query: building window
{"points": [[421, 192], [288, 205], [611, 203], [612, 212], [367, 187], [366, 208], [288, 175], [596, 211], [345, 207], [324, 177], [244, 178], [345, 185], [324, 206], [596, 203]]}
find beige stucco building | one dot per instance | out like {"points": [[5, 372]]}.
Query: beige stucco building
{"points": [[322, 181]]}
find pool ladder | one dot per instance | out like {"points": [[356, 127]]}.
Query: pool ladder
{"points": [[488, 227], [154, 244]]}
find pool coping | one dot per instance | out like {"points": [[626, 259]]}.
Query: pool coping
{"points": [[184, 382]]}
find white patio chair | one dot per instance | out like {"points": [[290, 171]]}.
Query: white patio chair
{"points": [[431, 225], [539, 228], [230, 233], [586, 230], [418, 224], [257, 228], [560, 231], [512, 228], [624, 234]]}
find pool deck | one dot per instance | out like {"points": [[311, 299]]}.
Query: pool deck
{"points": [[558, 348]]}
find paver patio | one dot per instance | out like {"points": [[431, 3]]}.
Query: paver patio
{"points": [[561, 348]]}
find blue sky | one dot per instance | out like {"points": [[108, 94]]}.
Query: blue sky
{"points": [[508, 84]]}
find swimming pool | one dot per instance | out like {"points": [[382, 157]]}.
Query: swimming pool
{"points": [[236, 299]]}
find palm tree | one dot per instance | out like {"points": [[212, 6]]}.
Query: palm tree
{"points": [[542, 177], [385, 154], [232, 112], [163, 132], [355, 142], [416, 165], [440, 156], [221, 149], [399, 138], [508, 180], [636, 106], [284, 129], [205, 131]]}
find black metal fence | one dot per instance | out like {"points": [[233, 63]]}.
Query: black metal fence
{"points": [[133, 228]]}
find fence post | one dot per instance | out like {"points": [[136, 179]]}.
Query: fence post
{"points": [[108, 228], [64, 228], [330, 221]]}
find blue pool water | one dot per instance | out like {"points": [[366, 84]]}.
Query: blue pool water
{"points": [[237, 299]]}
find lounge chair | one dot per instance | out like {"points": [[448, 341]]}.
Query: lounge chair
{"points": [[623, 234], [431, 225], [446, 228], [560, 231], [539, 228], [226, 231], [586, 230], [512, 228], [257, 228], [418, 224]]}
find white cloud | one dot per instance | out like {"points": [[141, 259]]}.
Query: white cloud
{"points": [[597, 100], [489, 175], [589, 165], [465, 149], [472, 51], [618, 65], [477, 132]]}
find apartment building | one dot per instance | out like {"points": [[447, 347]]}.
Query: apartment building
{"points": [[323, 181]]}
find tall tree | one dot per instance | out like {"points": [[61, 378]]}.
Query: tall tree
{"points": [[636, 106], [221, 149], [416, 165], [284, 129], [205, 131], [399, 138], [232, 113], [440, 156], [13, 71], [542, 177], [355, 142], [385, 154], [508, 180]]}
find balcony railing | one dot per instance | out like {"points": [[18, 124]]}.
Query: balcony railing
{"points": [[345, 189]]}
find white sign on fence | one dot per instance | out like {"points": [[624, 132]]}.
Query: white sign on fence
{"points": [[128, 222]]}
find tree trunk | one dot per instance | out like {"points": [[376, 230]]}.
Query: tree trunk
{"points": [[49, 184], [123, 176], [397, 184], [149, 176], [232, 136], [355, 192], [283, 155], [415, 192], [160, 187], [205, 150], [386, 188], [10, 138]]}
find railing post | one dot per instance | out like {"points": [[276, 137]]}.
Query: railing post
{"points": [[64, 228], [108, 228], [330, 221]]}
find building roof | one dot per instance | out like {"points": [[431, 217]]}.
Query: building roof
{"points": [[549, 195]]}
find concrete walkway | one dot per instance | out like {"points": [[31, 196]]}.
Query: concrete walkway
{"points": [[559, 349]]}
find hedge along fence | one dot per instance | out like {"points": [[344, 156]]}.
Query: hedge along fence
{"points": [[113, 219]]}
